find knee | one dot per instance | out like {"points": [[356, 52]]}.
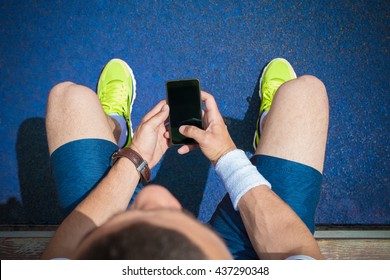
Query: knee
{"points": [[312, 81], [68, 94], [314, 88], [306, 90], [61, 87], [58, 92]]}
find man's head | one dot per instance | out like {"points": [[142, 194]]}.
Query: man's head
{"points": [[156, 227]]}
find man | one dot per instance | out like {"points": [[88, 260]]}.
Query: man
{"points": [[268, 212]]}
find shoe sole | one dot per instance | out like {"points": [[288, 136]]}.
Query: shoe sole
{"points": [[260, 94]]}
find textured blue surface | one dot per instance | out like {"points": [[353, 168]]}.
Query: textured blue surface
{"points": [[345, 44]]}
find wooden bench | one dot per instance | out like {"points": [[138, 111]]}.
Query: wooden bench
{"points": [[336, 243]]}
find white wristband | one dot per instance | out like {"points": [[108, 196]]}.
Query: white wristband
{"points": [[239, 175]]}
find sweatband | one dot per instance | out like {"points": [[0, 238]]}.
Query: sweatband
{"points": [[239, 175]]}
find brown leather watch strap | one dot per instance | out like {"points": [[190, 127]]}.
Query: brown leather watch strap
{"points": [[134, 157]]}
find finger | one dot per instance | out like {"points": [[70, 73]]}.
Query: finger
{"points": [[186, 149], [167, 127], [159, 118], [154, 110], [183, 150], [211, 106], [192, 132], [167, 139]]}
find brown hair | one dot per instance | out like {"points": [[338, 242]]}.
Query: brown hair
{"points": [[143, 241]]}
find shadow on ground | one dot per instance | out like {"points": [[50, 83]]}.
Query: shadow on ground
{"points": [[39, 197]]}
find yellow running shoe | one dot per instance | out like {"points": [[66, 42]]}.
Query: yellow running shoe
{"points": [[117, 91], [276, 73]]}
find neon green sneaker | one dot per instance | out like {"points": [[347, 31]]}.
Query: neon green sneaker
{"points": [[116, 91], [276, 73]]}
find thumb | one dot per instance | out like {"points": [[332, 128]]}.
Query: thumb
{"points": [[160, 117], [192, 132]]}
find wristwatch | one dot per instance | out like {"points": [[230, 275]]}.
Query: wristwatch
{"points": [[134, 157]]}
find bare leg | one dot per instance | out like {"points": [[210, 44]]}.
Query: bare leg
{"points": [[74, 112], [297, 125]]}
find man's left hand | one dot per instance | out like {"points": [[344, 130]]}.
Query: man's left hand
{"points": [[149, 140]]}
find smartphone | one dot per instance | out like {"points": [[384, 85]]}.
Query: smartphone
{"points": [[185, 108]]}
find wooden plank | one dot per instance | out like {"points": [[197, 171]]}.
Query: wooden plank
{"points": [[355, 249], [22, 248], [25, 234], [351, 234], [9, 228], [334, 249], [321, 234]]}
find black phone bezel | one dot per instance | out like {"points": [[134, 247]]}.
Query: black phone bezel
{"points": [[181, 83]]}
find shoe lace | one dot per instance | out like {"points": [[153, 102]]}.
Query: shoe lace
{"points": [[114, 97], [269, 89]]}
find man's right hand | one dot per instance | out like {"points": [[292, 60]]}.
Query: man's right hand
{"points": [[214, 140]]}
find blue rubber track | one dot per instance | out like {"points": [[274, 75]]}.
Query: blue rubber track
{"points": [[225, 45]]}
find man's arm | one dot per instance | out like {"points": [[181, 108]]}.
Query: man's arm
{"points": [[112, 195], [275, 231]]}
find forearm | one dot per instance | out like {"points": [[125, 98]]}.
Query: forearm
{"points": [[274, 229], [109, 197], [112, 194]]}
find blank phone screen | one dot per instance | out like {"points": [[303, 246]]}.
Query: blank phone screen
{"points": [[185, 108]]}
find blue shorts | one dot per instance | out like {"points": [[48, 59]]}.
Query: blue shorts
{"points": [[297, 184], [79, 166]]}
